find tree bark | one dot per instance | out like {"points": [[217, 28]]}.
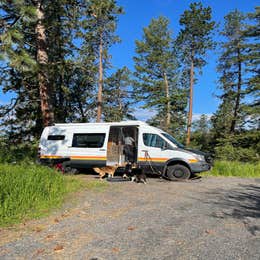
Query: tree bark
{"points": [[168, 104], [238, 94], [42, 59], [100, 81], [120, 105], [191, 98]]}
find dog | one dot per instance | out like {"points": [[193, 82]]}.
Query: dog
{"points": [[136, 175], [102, 171]]}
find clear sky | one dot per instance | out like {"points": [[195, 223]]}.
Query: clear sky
{"points": [[138, 14]]}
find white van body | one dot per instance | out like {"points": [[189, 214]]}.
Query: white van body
{"points": [[87, 145]]}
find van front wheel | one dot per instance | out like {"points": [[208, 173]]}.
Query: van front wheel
{"points": [[178, 172]]}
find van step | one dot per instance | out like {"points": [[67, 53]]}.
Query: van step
{"points": [[117, 179]]}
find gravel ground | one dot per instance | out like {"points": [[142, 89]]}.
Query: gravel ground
{"points": [[214, 218]]}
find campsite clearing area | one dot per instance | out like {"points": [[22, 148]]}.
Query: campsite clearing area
{"points": [[210, 218]]}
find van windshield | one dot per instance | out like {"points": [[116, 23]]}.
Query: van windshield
{"points": [[173, 140]]}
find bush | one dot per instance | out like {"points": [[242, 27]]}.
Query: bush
{"points": [[18, 153], [230, 153]]}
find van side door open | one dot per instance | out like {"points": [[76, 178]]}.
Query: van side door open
{"points": [[122, 145]]}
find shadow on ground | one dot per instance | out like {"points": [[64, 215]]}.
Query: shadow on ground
{"points": [[242, 203]]}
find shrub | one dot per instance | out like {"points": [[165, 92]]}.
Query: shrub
{"points": [[230, 153], [18, 153]]}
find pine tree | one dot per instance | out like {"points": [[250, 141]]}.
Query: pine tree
{"points": [[118, 96], [42, 60], [66, 63], [252, 64], [27, 40], [79, 90], [231, 62], [201, 134], [237, 118], [18, 73], [47, 72], [156, 71], [222, 118], [194, 40], [99, 24]]}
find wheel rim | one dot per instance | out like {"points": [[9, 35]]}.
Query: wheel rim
{"points": [[179, 174]]}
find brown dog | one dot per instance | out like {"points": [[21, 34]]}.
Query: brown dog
{"points": [[110, 170]]}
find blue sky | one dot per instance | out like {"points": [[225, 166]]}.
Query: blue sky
{"points": [[138, 14]]}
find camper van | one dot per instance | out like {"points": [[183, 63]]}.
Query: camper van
{"points": [[88, 145]]}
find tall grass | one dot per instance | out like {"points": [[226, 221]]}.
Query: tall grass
{"points": [[29, 191], [236, 169]]}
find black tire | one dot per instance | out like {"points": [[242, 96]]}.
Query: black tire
{"points": [[178, 172], [70, 171]]}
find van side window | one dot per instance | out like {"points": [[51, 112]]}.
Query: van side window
{"points": [[88, 140], [153, 140], [56, 137]]}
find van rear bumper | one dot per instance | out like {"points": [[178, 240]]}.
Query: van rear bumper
{"points": [[200, 167], [52, 161]]}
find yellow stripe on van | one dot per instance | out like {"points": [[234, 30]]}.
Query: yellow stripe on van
{"points": [[50, 156], [142, 159]]}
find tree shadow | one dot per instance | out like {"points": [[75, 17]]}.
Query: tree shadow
{"points": [[242, 203]]}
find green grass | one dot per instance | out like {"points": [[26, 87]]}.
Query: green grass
{"points": [[235, 169], [30, 191]]}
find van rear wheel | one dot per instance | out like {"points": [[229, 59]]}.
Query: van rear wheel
{"points": [[178, 172], [70, 171]]}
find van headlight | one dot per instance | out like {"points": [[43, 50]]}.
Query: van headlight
{"points": [[199, 157]]}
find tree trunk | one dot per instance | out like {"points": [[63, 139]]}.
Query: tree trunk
{"points": [[81, 110], [120, 105], [237, 102], [168, 104], [42, 59], [191, 99], [100, 82]]}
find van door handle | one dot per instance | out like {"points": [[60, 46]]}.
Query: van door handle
{"points": [[102, 149]]}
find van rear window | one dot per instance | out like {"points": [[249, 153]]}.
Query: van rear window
{"points": [[56, 137], [88, 140]]}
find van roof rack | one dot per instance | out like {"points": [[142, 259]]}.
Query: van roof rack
{"points": [[128, 122]]}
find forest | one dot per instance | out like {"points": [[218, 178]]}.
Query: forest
{"points": [[55, 65]]}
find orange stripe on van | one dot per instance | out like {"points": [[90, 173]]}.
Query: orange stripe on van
{"points": [[50, 156], [78, 157], [153, 159]]}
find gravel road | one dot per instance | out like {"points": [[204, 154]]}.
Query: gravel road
{"points": [[214, 218]]}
